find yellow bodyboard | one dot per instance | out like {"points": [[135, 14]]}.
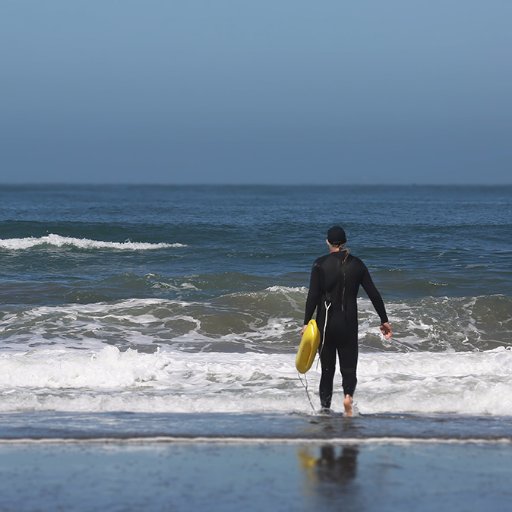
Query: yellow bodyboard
{"points": [[308, 347]]}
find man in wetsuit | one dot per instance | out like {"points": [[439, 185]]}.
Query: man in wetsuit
{"points": [[333, 288]]}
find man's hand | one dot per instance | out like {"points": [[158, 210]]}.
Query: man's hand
{"points": [[386, 330]]}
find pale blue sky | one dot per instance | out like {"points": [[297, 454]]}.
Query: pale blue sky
{"points": [[262, 91]]}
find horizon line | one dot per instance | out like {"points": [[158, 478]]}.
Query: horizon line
{"points": [[228, 184]]}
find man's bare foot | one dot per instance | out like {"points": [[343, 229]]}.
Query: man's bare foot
{"points": [[347, 403]]}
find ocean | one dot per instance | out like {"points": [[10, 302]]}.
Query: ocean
{"points": [[185, 299], [148, 338]]}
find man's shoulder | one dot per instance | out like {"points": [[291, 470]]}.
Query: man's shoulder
{"points": [[356, 261], [318, 262]]}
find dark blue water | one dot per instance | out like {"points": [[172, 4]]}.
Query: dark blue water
{"points": [[165, 298], [418, 241]]}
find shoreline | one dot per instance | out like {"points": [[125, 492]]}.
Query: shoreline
{"points": [[241, 441], [292, 428]]}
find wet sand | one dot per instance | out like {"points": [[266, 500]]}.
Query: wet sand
{"points": [[228, 476], [253, 462]]}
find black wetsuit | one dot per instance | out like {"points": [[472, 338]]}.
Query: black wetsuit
{"points": [[335, 280]]}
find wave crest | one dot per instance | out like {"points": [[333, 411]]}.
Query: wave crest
{"points": [[19, 244]]}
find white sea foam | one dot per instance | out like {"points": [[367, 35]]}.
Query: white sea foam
{"points": [[174, 381], [287, 289], [444, 326], [17, 244]]}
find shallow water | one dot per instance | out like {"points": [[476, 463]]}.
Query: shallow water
{"points": [[57, 428]]}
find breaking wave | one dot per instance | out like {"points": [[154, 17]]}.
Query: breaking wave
{"points": [[266, 321], [20, 244], [173, 381]]}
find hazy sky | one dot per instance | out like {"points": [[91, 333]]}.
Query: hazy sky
{"points": [[260, 91]]}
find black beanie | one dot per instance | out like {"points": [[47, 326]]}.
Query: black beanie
{"points": [[336, 235]]}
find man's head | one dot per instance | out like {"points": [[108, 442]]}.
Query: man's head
{"points": [[336, 236]]}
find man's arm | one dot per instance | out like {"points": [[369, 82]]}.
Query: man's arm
{"points": [[378, 303], [314, 294]]}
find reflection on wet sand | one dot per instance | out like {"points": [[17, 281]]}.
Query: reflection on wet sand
{"points": [[331, 473], [329, 464]]}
